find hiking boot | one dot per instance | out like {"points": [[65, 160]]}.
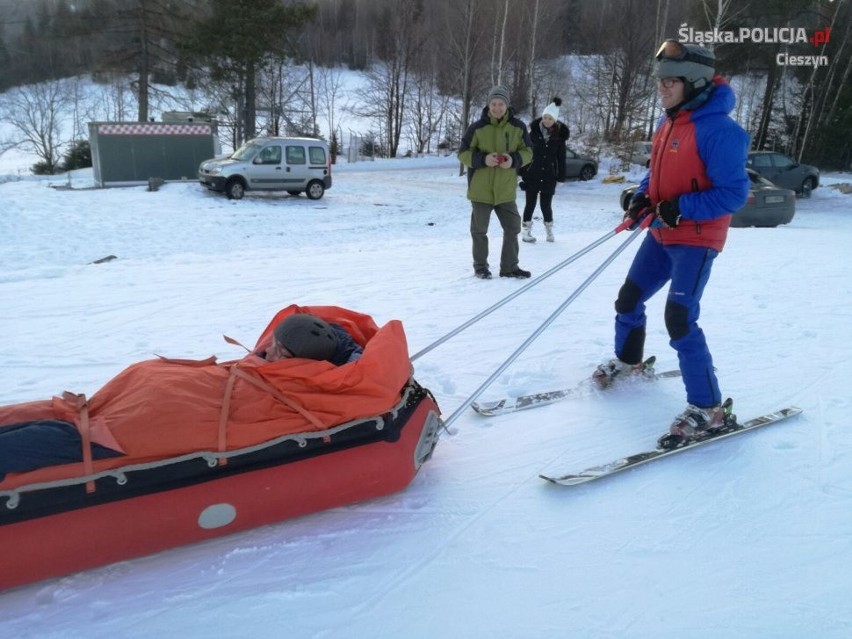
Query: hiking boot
{"points": [[606, 373], [516, 272], [548, 227], [526, 234], [482, 273], [695, 421]]}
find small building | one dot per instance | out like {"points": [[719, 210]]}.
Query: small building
{"points": [[131, 153]]}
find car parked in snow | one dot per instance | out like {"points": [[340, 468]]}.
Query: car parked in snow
{"points": [[294, 165], [784, 171], [767, 205], [640, 153], [579, 167]]}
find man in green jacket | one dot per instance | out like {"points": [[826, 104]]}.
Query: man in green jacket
{"points": [[493, 149]]}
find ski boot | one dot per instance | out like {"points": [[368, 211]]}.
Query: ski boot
{"points": [[608, 372], [696, 423]]}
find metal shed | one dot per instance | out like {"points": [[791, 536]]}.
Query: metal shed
{"points": [[131, 153]]}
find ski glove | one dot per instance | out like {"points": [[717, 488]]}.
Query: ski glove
{"points": [[639, 204], [669, 213]]}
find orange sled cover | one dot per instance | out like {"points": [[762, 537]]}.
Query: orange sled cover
{"points": [[213, 448]]}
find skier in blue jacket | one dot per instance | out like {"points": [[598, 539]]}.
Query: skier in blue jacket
{"points": [[696, 181]]}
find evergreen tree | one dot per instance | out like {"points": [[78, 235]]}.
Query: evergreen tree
{"points": [[140, 37], [239, 38]]}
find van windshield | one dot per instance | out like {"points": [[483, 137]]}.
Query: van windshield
{"points": [[247, 151]]}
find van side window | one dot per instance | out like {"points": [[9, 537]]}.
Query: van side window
{"points": [[295, 155], [271, 155], [317, 154]]}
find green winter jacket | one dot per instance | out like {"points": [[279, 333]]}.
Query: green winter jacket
{"points": [[494, 185]]}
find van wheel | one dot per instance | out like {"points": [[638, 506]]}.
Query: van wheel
{"points": [[294, 193], [235, 189], [807, 187], [315, 190]]}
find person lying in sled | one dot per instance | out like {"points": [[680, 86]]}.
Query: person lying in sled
{"points": [[28, 446], [309, 336]]}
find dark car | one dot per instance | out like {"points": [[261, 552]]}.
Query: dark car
{"points": [[767, 205], [579, 166], [785, 172]]}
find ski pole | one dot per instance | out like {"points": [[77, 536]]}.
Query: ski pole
{"points": [[624, 225], [600, 269]]}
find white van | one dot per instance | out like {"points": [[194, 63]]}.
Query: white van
{"points": [[294, 165]]}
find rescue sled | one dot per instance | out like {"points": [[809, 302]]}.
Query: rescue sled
{"points": [[72, 517]]}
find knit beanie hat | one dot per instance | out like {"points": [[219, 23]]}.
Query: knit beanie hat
{"points": [[552, 109], [500, 93], [307, 336]]}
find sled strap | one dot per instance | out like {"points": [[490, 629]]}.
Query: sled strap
{"points": [[209, 361], [269, 388], [236, 372], [231, 340], [81, 405], [223, 414]]}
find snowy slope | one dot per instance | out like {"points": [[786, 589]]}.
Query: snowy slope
{"points": [[751, 537]]}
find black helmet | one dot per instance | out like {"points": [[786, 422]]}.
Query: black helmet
{"points": [[307, 336]]}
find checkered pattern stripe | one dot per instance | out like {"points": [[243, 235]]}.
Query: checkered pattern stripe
{"points": [[154, 128]]}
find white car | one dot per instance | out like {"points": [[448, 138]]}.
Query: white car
{"points": [[294, 165], [640, 153]]}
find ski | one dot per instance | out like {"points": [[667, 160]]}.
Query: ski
{"points": [[534, 400], [631, 461]]}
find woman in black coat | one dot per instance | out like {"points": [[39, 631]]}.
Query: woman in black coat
{"points": [[549, 137]]}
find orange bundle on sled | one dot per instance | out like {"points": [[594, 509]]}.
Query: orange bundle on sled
{"points": [[198, 449]]}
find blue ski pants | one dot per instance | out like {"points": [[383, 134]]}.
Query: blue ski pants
{"points": [[688, 269]]}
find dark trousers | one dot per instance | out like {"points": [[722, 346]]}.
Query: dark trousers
{"points": [[47, 442], [545, 200], [510, 220]]}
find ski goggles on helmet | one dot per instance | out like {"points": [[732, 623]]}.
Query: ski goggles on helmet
{"points": [[671, 49]]}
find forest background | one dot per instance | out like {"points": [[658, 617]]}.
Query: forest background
{"points": [[278, 66]]}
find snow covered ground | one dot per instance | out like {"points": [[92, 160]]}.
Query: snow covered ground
{"points": [[747, 538]]}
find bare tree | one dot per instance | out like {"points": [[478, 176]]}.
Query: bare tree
{"points": [[329, 90], [820, 88], [499, 48], [466, 46], [426, 111], [532, 60], [36, 112], [720, 14], [463, 64], [286, 99], [389, 81]]}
